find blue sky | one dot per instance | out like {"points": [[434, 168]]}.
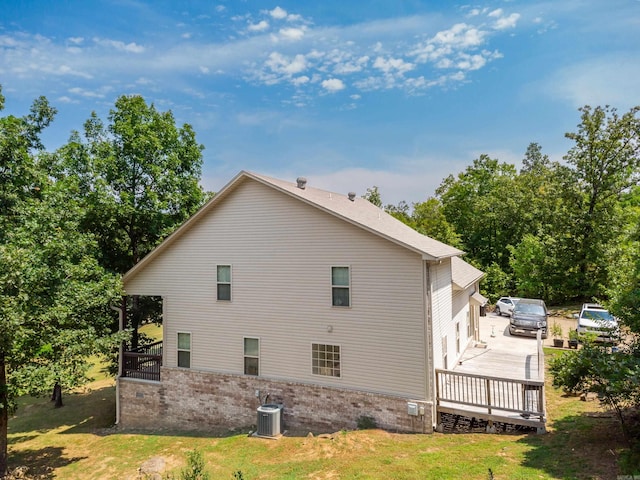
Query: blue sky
{"points": [[349, 94]]}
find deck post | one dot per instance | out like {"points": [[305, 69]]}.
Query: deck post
{"points": [[487, 384]]}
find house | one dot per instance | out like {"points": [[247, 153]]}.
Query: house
{"points": [[314, 300]]}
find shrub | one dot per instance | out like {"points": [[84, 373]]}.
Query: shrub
{"points": [[365, 422]]}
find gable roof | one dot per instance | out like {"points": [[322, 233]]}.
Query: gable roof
{"points": [[359, 212], [463, 275]]}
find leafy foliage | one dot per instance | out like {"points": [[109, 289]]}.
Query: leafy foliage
{"points": [[195, 469], [137, 179], [613, 375], [54, 297]]}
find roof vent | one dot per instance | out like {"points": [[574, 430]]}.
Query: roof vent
{"points": [[302, 182], [352, 196]]}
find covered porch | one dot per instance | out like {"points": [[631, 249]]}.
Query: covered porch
{"points": [[499, 379], [143, 362], [141, 355]]}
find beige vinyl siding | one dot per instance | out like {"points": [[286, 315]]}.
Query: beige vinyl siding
{"points": [[460, 315], [442, 313], [281, 252]]}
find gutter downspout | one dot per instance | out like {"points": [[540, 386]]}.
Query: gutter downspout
{"points": [[428, 333], [120, 311]]}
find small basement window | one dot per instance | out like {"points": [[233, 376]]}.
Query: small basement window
{"points": [[325, 359]]}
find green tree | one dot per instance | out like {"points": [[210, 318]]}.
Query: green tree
{"points": [[624, 266], [481, 207], [20, 180], [373, 195], [53, 295], [428, 218], [54, 302], [425, 217], [62, 297], [605, 160], [613, 376], [137, 179]]}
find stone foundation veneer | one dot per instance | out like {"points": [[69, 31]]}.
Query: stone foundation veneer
{"points": [[204, 401]]}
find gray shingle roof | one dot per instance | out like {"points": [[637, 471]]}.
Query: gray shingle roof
{"points": [[463, 274]]}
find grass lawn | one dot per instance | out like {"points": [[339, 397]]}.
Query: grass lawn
{"points": [[78, 441]]}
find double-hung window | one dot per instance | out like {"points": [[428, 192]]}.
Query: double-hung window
{"points": [[251, 356], [325, 359], [340, 287], [184, 350], [224, 282]]}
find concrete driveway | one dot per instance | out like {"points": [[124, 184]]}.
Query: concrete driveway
{"points": [[500, 354]]}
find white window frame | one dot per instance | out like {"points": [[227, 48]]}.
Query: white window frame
{"points": [[348, 286], [457, 338], [178, 349], [245, 356], [317, 369], [218, 282]]}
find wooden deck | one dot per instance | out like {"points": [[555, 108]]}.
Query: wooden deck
{"points": [[500, 380]]}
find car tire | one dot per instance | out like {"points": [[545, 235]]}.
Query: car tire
{"points": [[498, 312]]}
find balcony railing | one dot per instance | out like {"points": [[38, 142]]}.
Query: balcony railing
{"points": [[143, 362], [493, 398]]}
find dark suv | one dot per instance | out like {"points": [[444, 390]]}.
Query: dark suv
{"points": [[529, 315]]}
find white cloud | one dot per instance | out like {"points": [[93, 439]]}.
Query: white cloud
{"points": [[333, 84], [460, 35], [278, 13], [85, 93], [258, 27], [297, 81], [458, 38], [131, 47], [374, 55], [392, 65], [284, 65], [292, 33], [471, 62], [345, 63], [610, 80], [507, 22], [7, 41]]}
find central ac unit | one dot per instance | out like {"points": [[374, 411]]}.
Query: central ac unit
{"points": [[269, 420]]}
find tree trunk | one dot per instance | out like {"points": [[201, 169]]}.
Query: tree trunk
{"points": [[57, 396], [4, 416]]}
